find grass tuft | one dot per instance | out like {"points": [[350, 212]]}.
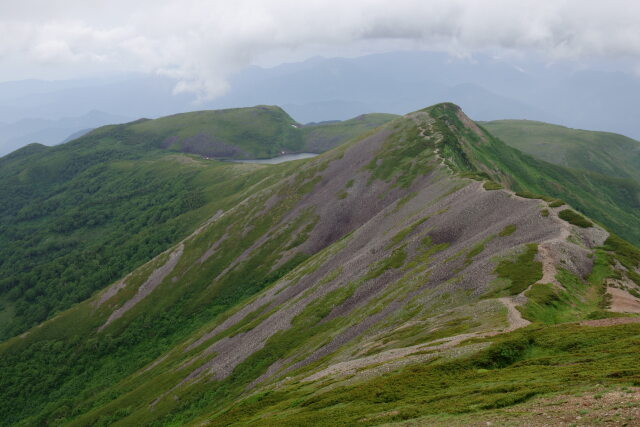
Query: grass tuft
{"points": [[508, 231], [523, 272]]}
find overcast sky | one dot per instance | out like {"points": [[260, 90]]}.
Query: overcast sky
{"points": [[202, 42]]}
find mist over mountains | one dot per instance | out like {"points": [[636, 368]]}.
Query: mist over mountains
{"points": [[322, 89]]}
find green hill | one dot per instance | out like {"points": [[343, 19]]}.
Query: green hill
{"points": [[246, 133], [601, 152], [324, 136], [258, 132], [389, 279]]}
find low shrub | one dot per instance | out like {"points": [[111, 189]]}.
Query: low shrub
{"points": [[492, 185], [572, 217], [523, 272]]}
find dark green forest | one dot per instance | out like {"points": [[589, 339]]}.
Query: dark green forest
{"points": [[77, 217]]}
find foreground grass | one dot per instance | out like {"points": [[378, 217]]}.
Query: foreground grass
{"points": [[597, 405], [516, 367]]}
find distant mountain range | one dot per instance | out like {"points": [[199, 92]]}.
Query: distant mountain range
{"points": [[52, 131], [340, 88]]}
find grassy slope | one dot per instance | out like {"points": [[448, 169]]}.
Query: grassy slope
{"points": [[513, 369], [551, 356], [602, 152], [324, 136], [613, 202]]}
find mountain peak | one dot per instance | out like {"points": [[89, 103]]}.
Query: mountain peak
{"points": [[442, 107]]}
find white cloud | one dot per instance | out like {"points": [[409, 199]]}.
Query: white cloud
{"points": [[201, 42]]}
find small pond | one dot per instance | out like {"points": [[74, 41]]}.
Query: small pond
{"points": [[279, 159]]}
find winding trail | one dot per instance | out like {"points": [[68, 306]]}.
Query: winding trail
{"points": [[549, 270], [437, 137], [516, 321], [514, 316], [396, 354], [549, 254]]}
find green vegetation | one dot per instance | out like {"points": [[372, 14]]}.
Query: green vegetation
{"points": [[508, 230], [578, 299], [402, 234], [129, 191], [423, 333], [81, 215], [574, 218], [601, 152], [550, 304], [321, 137], [530, 195], [237, 133], [624, 253], [304, 327], [553, 202], [523, 272], [403, 157], [247, 133], [490, 185], [54, 364], [476, 250], [397, 258], [542, 294]]}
